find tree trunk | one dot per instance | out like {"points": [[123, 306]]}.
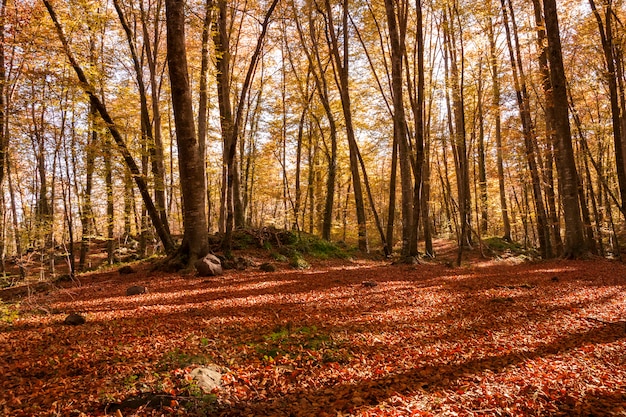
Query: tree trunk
{"points": [[321, 85], [549, 121], [575, 245], [341, 68], [606, 36], [399, 126], [203, 98], [523, 99], [495, 81], [86, 217], [191, 162], [459, 145], [482, 170]]}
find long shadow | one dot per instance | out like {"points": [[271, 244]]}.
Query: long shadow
{"points": [[346, 398], [194, 313]]}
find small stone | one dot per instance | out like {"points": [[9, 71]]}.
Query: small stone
{"points": [[267, 267], [74, 319], [554, 279], [369, 284], [127, 269], [136, 290]]}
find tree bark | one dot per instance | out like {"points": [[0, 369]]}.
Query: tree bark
{"points": [[399, 127], [495, 93], [555, 228], [530, 139], [190, 160], [575, 245], [606, 37], [342, 72]]}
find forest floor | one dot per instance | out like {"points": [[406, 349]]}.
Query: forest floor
{"points": [[494, 337]]}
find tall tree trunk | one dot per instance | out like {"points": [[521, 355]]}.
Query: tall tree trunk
{"points": [[203, 95], [549, 121], [342, 70], [155, 139], [523, 102], [16, 232], [399, 125], [416, 97], [321, 85], [110, 216], [482, 170], [608, 47], [235, 216], [190, 161], [575, 245], [459, 145], [3, 122], [495, 82], [396, 36], [86, 217], [3, 81]]}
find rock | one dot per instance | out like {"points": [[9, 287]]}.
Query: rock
{"points": [[74, 319], [554, 279], [209, 266], [136, 290], [127, 269], [208, 378], [267, 267], [369, 284]]}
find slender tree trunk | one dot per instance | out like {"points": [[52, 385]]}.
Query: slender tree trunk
{"points": [[156, 142], [482, 170], [495, 81], [341, 68], [203, 97], [417, 104], [16, 230], [87, 211], [321, 85], [110, 212], [3, 121], [399, 125], [608, 47], [235, 216], [528, 131], [146, 123], [459, 145], [3, 80]]}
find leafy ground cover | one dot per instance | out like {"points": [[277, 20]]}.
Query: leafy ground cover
{"points": [[362, 338]]}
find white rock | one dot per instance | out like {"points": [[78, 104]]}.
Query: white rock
{"points": [[208, 379]]}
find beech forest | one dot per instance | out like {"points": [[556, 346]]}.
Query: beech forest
{"points": [[312, 207]]}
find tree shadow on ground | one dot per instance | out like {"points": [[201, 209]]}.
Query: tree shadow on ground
{"points": [[432, 310]]}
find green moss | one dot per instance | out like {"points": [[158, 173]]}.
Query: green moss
{"points": [[9, 312]]}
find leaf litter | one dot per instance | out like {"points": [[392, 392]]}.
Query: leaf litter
{"points": [[488, 339]]}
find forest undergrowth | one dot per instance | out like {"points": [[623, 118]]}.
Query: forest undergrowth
{"points": [[344, 337]]}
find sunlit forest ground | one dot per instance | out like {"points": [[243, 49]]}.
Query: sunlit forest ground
{"points": [[359, 337]]}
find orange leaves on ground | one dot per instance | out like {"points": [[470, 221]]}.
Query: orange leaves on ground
{"points": [[492, 339]]}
